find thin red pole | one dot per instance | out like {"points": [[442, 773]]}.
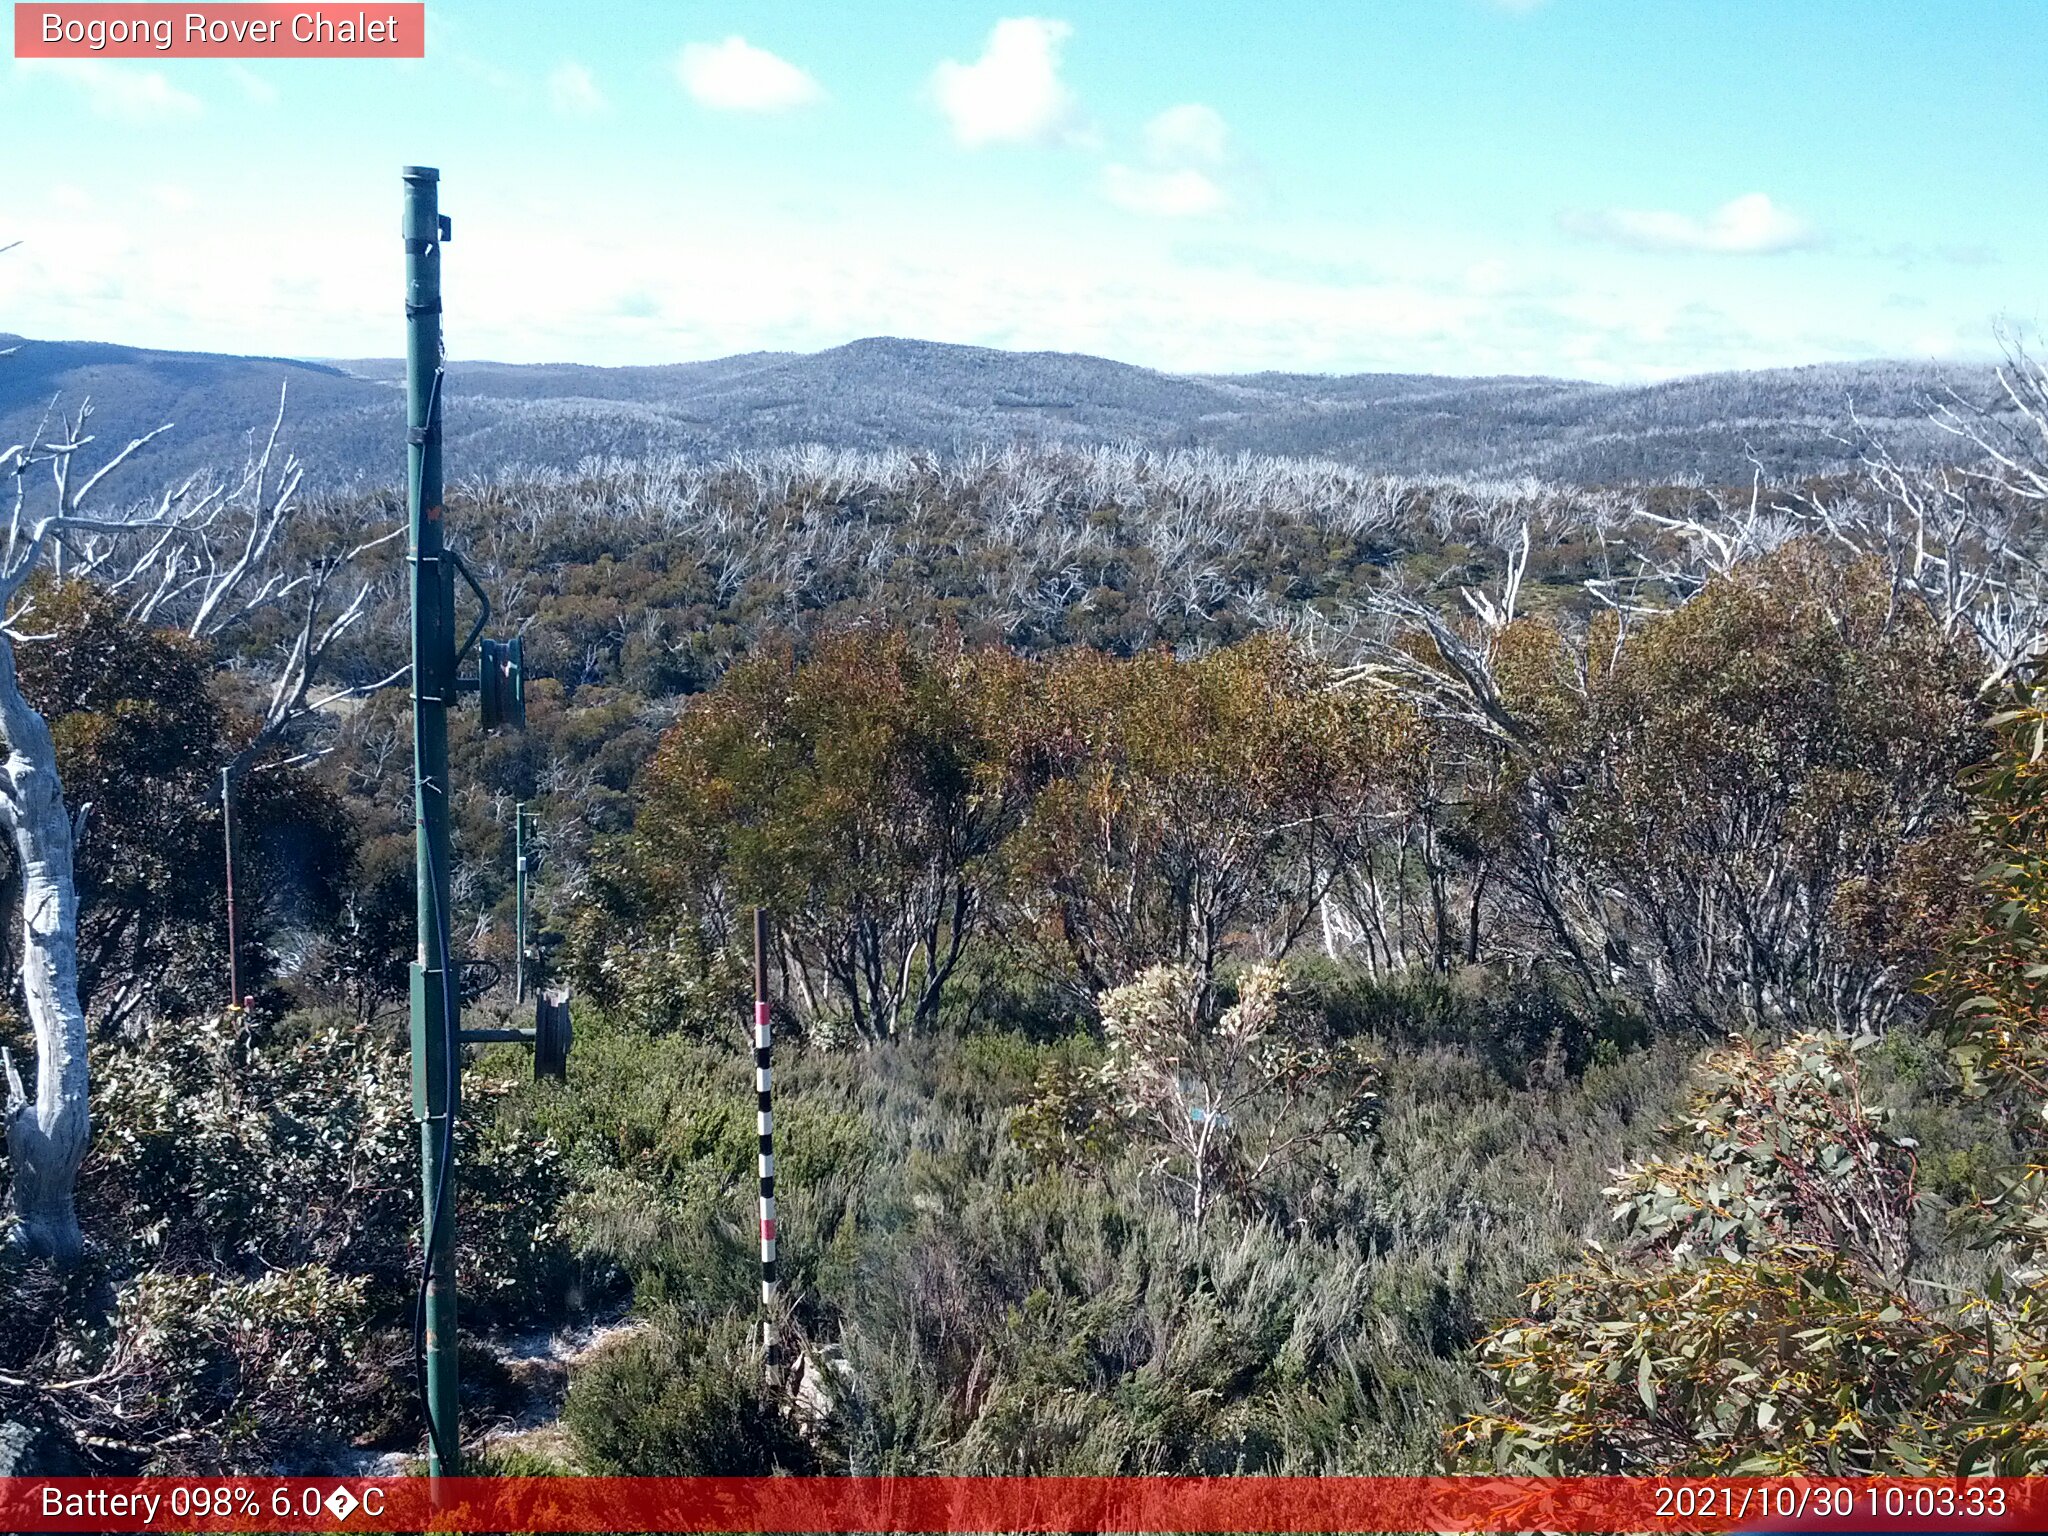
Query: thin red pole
{"points": [[227, 837]]}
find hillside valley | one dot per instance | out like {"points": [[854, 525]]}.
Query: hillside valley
{"points": [[885, 392]]}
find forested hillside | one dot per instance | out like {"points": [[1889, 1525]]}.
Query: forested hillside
{"points": [[1232, 917], [886, 393]]}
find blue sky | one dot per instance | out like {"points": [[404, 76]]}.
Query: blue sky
{"points": [[1610, 189]]}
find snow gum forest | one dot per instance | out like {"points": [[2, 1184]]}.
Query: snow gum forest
{"points": [[1280, 961]]}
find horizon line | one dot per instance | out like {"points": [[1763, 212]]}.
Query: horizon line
{"points": [[341, 362]]}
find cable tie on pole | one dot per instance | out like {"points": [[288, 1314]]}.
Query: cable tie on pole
{"points": [[419, 437], [414, 311]]}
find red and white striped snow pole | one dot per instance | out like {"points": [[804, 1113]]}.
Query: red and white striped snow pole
{"points": [[765, 1123]]}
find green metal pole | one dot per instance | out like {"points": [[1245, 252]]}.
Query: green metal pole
{"points": [[436, 1049], [519, 901]]}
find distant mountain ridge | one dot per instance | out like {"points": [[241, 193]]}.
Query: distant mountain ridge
{"points": [[345, 417]]}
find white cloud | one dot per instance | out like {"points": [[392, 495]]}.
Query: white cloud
{"points": [[1488, 277], [1013, 93], [1751, 225], [547, 280], [735, 76], [113, 90], [1183, 145], [1187, 134], [573, 92], [1175, 194]]}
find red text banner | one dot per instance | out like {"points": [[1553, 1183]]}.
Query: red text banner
{"points": [[1033, 1504], [107, 30]]}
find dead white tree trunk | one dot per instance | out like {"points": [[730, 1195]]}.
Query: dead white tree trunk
{"points": [[46, 1135]]}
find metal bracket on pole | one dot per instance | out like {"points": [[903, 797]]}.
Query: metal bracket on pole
{"points": [[483, 599], [550, 1036]]}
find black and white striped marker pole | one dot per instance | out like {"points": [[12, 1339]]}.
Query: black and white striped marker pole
{"points": [[765, 1120]]}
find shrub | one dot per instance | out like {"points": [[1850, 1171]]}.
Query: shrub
{"points": [[141, 740], [226, 1143], [230, 1372], [1216, 1098], [999, 1314], [675, 1400], [256, 1187], [234, 1146], [1737, 813], [859, 792], [1756, 1319]]}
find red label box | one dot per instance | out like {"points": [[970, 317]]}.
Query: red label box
{"points": [[1048, 1506], [366, 29]]}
